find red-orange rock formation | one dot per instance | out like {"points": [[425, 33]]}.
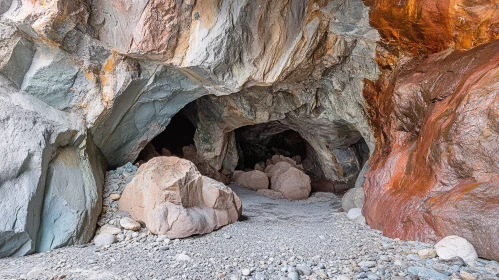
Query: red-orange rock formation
{"points": [[436, 175], [429, 26]]}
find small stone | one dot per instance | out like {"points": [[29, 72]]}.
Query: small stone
{"points": [[426, 273], [304, 269], [368, 264], [427, 253], [104, 239], [161, 238], [221, 275], [343, 277], [115, 196], [107, 228], [354, 213], [294, 275], [130, 224], [466, 275], [361, 220], [246, 272], [183, 257]]}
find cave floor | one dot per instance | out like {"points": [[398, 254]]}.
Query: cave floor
{"points": [[273, 239]]}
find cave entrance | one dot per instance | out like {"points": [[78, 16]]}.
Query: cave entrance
{"points": [[178, 134], [288, 143], [258, 144]]}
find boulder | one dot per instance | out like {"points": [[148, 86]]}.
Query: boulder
{"points": [[236, 174], [254, 180], [172, 198], [353, 198], [270, 193], [293, 183], [278, 168], [455, 246]]}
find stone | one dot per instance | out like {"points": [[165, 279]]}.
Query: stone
{"points": [[270, 193], [294, 275], [293, 183], [354, 213], [361, 220], [236, 174], [353, 198], [455, 246], [129, 224], [107, 228], [427, 253], [104, 239], [172, 198], [368, 264], [246, 272], [183, 257], [115, 196], [260, 166], [255, 180], [466, 275], [426, 273]]}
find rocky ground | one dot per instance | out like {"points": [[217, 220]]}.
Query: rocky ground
{"points": [[276, 239]]}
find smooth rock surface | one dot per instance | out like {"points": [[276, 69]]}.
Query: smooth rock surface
{"points": [[455, 246]]}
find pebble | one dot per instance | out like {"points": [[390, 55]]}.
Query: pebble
{"points": [[183, 257], [427, 253], [130, 224], [368, 264], [103, 239], [294, 275], [426, 273], [115, 196], [246, 272]]}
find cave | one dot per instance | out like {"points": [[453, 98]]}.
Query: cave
{"points": [[257, 144]]}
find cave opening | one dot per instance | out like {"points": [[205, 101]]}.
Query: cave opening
{"points": [[178, 134], [333, 167], [258, 144]]}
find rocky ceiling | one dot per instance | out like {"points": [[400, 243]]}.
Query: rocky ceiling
{"points": [[88, 83]]}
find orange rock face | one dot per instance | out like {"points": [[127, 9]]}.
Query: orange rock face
{"points": [[437, 173], [429, 26]]}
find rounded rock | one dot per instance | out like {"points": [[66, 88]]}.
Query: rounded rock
{"points": [[130, 224], [455, 246], [104, 239]]}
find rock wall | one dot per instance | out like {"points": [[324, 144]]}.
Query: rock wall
{"points": [[433, 110]]}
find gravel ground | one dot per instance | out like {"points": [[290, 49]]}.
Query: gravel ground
{"points": [[276, 239]]}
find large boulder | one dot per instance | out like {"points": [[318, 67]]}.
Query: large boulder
{"points": [[172, 198], [254, 180], [293, 183]]}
